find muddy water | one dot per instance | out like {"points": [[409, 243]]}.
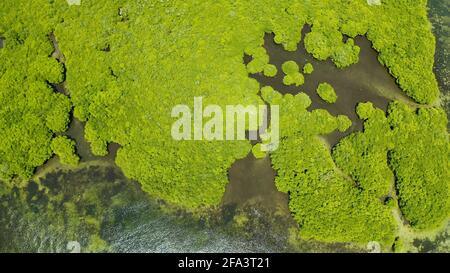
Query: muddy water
{"points": [[365, 81], [1, 42], [252, 180], [76, 132]]}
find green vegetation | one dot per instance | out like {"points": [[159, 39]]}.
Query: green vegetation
{"points": [[410, 144], [260, 61], [398, 246], [290, 67], [308, 69], [359, 172], [30, 112], [293, 76], [406, 45], [65, 149], [127, 64], [363, 155], [409, 57], [324, 201], [327, 93], [270, 70], [344, 123], [420, 161], [346, 54]]}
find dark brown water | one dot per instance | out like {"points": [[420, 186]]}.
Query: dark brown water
{"points": [[252, 181], [57, 54]]}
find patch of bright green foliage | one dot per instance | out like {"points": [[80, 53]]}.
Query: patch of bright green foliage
{"points": [[399, 30], [260, 61], [257, 152], [407, 151], [323, 199], [420, 161], [344, 123], [65, 149], [327, 93], [30, 112], [293, 76], [270, 70], [308, 68]]}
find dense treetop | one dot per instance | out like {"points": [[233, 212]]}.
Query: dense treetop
{"points": [[30, 112], [308, 68], [324, 199], [292, 74], [326, 92], [420, 161], [65, 149]]}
